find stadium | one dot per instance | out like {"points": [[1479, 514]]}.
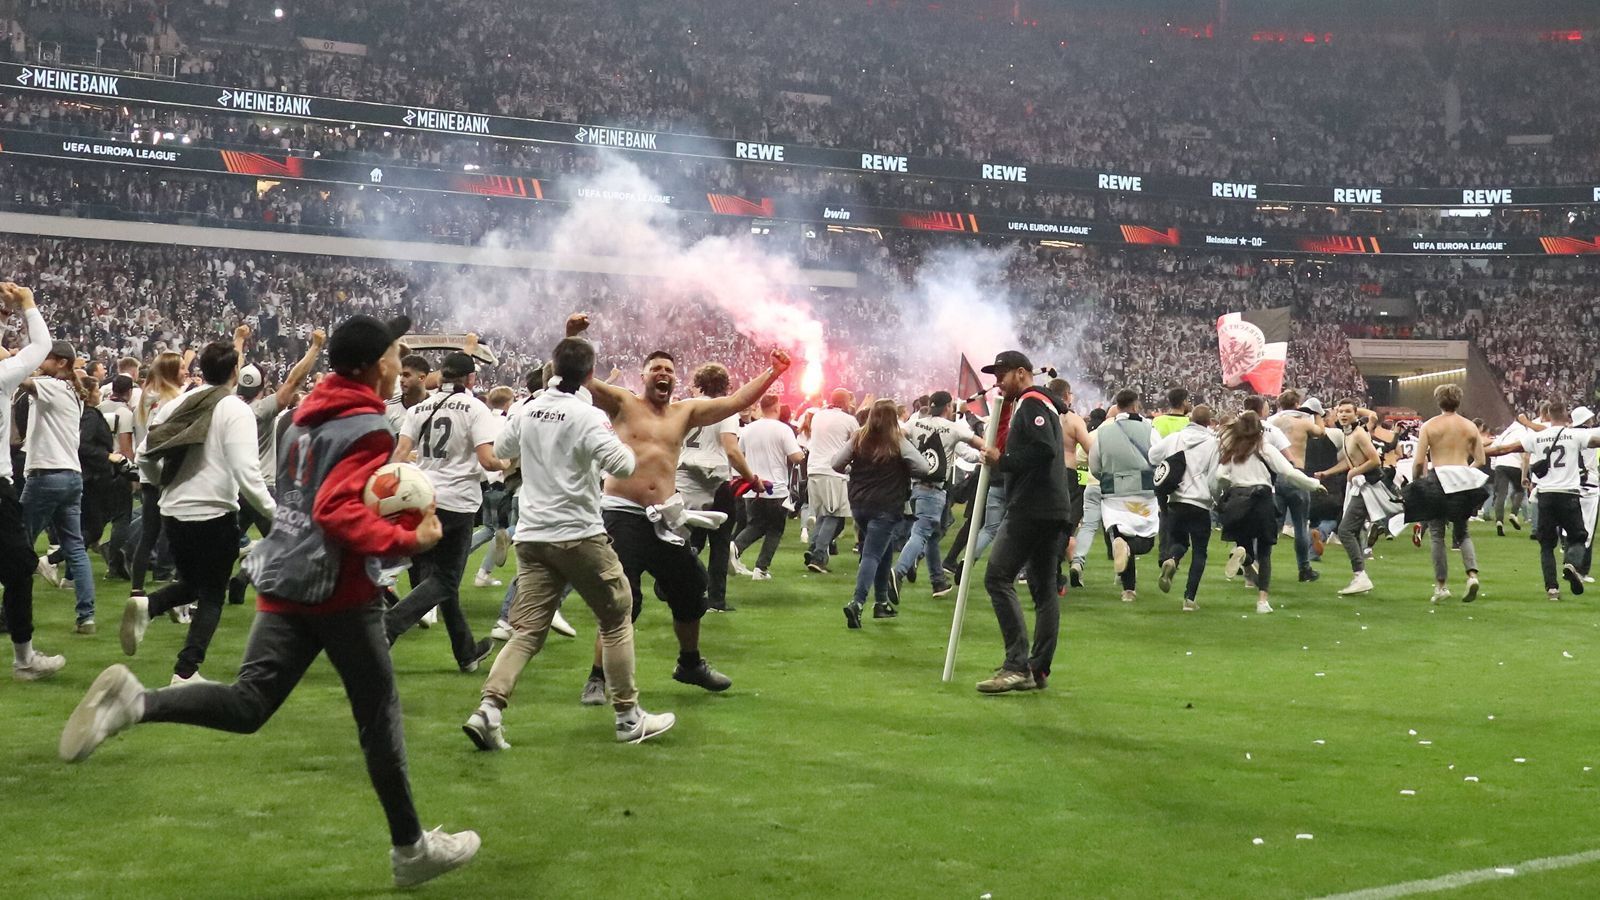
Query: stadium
{"points": [[896, 405]]}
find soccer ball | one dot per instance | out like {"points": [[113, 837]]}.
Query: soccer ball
{"points": [[397, 489]]}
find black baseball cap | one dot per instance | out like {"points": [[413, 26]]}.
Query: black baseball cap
{"points": [[62, 349], [457, 365], [361, 340], [939, 400], [1006, 361]]}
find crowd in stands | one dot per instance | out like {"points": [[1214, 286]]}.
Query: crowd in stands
{"points": [[1141, 319], [901, 78]]}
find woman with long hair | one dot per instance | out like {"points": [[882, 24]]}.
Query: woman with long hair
{"points": [[1249, 516], [880, 462], [162, 385]]}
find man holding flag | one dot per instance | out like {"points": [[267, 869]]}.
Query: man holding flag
{"points": [[1026, 450]]}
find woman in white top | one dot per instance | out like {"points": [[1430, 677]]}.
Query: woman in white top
{"points": [[163, 385], [1249, 516]]}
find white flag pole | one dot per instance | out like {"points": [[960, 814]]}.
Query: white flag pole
{"points": [[974, 515]]}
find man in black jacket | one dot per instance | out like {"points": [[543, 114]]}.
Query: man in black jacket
{"points": [[1028, 454]]}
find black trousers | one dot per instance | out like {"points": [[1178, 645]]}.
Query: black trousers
{"points": [[717, 558], [149, 532], [1188, 528], [277, 655], [17, 562], [1137, 547], [204, 554], [438, 573], [1561, 515], [1031, 546], [767, 521]]}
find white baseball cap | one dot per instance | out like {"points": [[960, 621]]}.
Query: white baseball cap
{"points": [[249, 377], [1313, 406]]}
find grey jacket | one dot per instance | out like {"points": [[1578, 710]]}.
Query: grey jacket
{"points": [[1120, 458]]}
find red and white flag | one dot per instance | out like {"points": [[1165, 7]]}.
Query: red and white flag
{"points": [[1253, 346], [970, 390]]}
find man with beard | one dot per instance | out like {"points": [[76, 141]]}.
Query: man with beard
{"points": [[643, 511]]}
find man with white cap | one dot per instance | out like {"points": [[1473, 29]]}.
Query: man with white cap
{"points": [[17, 559], [1299, 421], [266, 408]]}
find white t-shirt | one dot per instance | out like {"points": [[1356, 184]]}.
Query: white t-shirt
{"points": [[53, 430], [119, 418], [948, 434], [13, 371], [767, 446], [703, 450], [1275, 438], [456, 423], [831, 429], [1512, 436], [1565, 448], [265, 409]]}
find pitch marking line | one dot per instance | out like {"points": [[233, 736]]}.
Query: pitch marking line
{"points": [[1471, 876]]}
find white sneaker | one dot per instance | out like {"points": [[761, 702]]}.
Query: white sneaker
{"points": [[429, 618], [560, 625], [1554, 594], [1120, 554], [1360, 584], [1129, 596], [1472, 590], [502, 548], [737, 567], [486, 729], [760, 575], [182, 615], [484, 579], [245, 550], [1263, 606], [434, 855], [1235, 563], [805, 535], [180, 681], [501, 631], [1439, 593], [48, 571], [1190, 605], [637, 726], [114, 704], [135, 619], [38, 667]]}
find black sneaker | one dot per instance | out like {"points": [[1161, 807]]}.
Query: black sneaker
{"points": [[1500, 529], [852, 616], [895, 579], [911, 577], [1309, 574], [479, 654], [883, 611], [1573, 576], [1075, 576], [1040, 679], [702, 675], [942, 588], [236, 591]]}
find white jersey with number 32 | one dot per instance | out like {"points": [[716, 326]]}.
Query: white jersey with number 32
{"points": [[447, 429]]}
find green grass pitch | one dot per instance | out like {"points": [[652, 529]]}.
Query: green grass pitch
{"points": [[840, 766]]}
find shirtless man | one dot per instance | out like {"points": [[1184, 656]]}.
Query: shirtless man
{"points": [[653, 427], [1074, 435], [1455, 448], [1358, 457], [1298, 424]]}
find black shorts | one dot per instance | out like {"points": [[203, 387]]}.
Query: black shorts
{"points": [[1075, 492], [680, 579]]}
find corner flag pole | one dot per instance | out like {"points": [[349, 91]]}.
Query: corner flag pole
{"points": [[975, 515]]}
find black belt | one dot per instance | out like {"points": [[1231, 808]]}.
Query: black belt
{"points": [[32, 472]]}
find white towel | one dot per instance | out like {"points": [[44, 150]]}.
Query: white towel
{"points": [[1137, 516], [1457, 479]]}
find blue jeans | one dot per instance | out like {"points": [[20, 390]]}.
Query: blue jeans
{"points": [[1294, 503], [55, 498], [1090, 524], [877, 532], [822, 537], [928, 502], [994, 512]]}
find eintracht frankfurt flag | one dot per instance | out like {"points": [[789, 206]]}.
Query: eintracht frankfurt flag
{"points": [[969, 390], [1253, 345]]}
